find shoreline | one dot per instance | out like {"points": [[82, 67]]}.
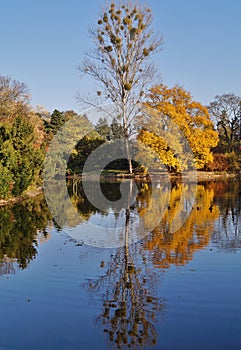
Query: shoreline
{"points": [[26, 195], [201, 176], [209, 175]]}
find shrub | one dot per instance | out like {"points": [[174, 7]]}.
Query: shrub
{"points": [[220, 163]]}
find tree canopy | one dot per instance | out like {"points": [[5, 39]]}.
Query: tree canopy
{"points": [[21, 139], [226, 112], [190, 117], [120, 60], [14, 96]]}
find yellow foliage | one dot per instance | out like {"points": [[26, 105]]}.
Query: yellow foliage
{"points": [[178, 248], [174, 106], [161, 151]]}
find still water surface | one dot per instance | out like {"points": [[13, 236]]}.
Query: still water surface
{"points": [[168, 290]]}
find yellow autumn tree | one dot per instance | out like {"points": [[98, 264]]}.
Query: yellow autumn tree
{"points": [[170, 108]]}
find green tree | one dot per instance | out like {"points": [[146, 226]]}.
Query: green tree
{"points": [[21, 139], [120, 61], [117, 130], [111, 131], [6, 180], [57, 120], [103, 128], [62, 146], [19, 156], [83, 149]]}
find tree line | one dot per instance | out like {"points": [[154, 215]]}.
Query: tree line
{"points": [[120, 63]]}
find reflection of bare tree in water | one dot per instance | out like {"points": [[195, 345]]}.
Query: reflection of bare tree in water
{"points": [[127, 289], [228, 230], [6, 267]]}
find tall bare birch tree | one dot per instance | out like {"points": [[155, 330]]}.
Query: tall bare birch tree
{"points": [[120, 60]]}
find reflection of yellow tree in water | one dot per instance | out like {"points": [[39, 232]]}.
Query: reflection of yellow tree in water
{"points": [[178, 247], [130, 307]]}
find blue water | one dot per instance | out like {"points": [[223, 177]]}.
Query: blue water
{"points": [[57, 301]]}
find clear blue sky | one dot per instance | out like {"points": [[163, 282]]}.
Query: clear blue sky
{"points": [[42, 42]]}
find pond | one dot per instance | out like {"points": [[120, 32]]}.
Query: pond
{"points": [[157, 281]]}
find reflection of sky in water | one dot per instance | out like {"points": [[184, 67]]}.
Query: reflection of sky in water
{"points": [[227, 232], [63, 291], [108, 220], [146, 213], [107, 230]]}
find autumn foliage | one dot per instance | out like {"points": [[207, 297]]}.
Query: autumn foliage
{"points": [[177, 248], [191, 120]]}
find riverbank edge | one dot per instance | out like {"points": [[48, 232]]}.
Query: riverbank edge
{"points": [[26, 195], [201, 176]]}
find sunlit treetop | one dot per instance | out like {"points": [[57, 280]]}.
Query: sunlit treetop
{"points": [[190, 117]]}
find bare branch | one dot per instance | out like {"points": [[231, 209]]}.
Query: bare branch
{"points": [[120, 61]]}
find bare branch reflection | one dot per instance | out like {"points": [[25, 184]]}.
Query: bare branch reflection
{"points": [[127, 291], [130, 306]]}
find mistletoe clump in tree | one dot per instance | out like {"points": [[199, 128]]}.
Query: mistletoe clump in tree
{"points": [[120, 60]]}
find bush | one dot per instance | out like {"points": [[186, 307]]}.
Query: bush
{"points": [[234, 162], [220, 163], [5, 182]]}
